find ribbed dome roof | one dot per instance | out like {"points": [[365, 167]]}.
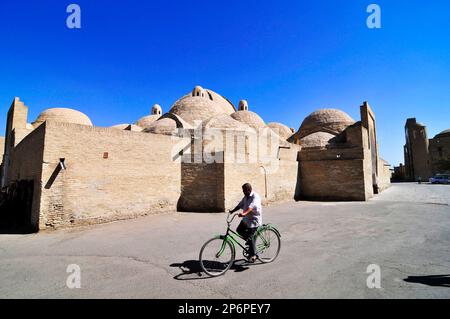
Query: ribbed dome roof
{"points": [[128, 127], [250, 118], [325, 120], [445, 133], [165, 126], [145, 121], [63, 115], [282, 130], [318, 139], [224, 121]]}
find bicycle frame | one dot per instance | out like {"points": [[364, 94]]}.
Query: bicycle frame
{"points": [[230, 238]]}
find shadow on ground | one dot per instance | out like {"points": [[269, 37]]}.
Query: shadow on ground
{"points": [[434, 280], [191, 269]]}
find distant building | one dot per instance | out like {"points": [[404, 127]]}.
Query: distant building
{"points": [[424, 157]]}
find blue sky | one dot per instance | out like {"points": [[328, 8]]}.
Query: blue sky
{"points": [[287, 58]]}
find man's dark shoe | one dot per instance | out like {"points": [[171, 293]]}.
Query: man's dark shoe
{"points": [[252, 259]]}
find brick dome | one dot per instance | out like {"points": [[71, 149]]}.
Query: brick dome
{"points": [[145, 121], [318, 139], [63, 115], [332, 121], [250, 118], [166, 126], [224, 121], [445, 133], [200, 105], [155, 114], [282, 130]]}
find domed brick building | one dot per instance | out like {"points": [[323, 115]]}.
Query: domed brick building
{"points": [[66, 171]]}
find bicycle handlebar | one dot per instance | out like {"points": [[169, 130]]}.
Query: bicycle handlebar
{"points": [[228, 217]]}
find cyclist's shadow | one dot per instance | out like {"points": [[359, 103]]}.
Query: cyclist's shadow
{"points": [[191, 269]]}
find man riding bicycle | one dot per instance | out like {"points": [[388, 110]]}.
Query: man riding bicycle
{"points": [[251, 218]]}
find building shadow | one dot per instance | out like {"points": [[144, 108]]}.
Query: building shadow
{"points": [[433, 280], [52, 178], [191, 269]]}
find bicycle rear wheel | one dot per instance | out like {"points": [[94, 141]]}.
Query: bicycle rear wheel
{"points": [[216, 256], [268, 244]]}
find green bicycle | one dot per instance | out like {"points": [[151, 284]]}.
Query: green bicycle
{"points": [[218, 254]]}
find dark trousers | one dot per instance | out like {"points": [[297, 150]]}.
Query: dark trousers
{"points": [[247, 233]]}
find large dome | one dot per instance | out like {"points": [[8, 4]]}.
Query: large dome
{"points": [[224, 121], [63, 115], [195, 108], [250, 118], [224, 103], [282, 130], [332, 121], [200, 105], [445, 133]]}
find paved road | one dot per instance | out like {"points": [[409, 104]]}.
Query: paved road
{"points": [[326, 248]]}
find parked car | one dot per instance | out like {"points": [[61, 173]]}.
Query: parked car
{"points": [[440, 179]]}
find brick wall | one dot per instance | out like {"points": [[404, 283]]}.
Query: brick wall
{"points": [[385, 175], [202, 187], [273, 178], [111, 174], [342, 172]]}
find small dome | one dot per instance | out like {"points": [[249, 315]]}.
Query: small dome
{"points": [[250, 118], [445, 133], [243, 105], [198, 91], [318, 139], [127, 127], [224, 121], [326, 120], [63, 115], [147, 120], [156, 109], [166, 126], [280, 129]]}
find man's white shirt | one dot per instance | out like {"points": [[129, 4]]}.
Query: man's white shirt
{"points": [[254, 218]]}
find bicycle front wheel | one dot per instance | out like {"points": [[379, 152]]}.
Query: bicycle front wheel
{"points": [[268, 244], [216, 256]]}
